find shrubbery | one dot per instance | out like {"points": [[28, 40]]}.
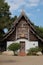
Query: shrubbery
{"points": [[14, 47], [33, 51]]}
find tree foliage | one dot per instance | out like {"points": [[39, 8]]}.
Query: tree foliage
{"points": [[13, 19], [5, 18], [39, 31], [14, 46], [4, 14], [33, 51]]}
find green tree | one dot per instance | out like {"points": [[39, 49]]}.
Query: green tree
{"points": [[5, 17], [39, 31], [13, 18], [14, 47]]}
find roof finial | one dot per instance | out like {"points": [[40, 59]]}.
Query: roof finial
{"points": [[23, 10]]}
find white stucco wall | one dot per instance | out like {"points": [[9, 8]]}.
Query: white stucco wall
{"points": [[28, 44]]}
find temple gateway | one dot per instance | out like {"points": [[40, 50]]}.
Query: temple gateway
{"points": [[22, 32]]}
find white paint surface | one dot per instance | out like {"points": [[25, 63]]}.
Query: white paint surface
{"points": [[28, 44]]}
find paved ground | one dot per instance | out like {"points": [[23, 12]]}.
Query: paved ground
{"points": [[21, 60]]}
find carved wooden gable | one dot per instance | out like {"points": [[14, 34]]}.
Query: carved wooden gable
{"points": [[22, 29]]}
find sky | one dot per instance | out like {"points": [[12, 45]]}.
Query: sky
{"points": [[32, 8]]}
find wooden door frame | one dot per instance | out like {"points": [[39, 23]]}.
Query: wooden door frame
{"points": [[22, 43]]}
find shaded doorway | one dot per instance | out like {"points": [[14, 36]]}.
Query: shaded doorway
{"points": [[22, 48]]}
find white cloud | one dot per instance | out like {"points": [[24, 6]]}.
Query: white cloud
{"points": [[15, 4], [33, 3], [18, 4], [28, 14]]}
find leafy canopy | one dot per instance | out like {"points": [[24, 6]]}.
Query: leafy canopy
{"points": [[5, 17], [14, 46]]}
